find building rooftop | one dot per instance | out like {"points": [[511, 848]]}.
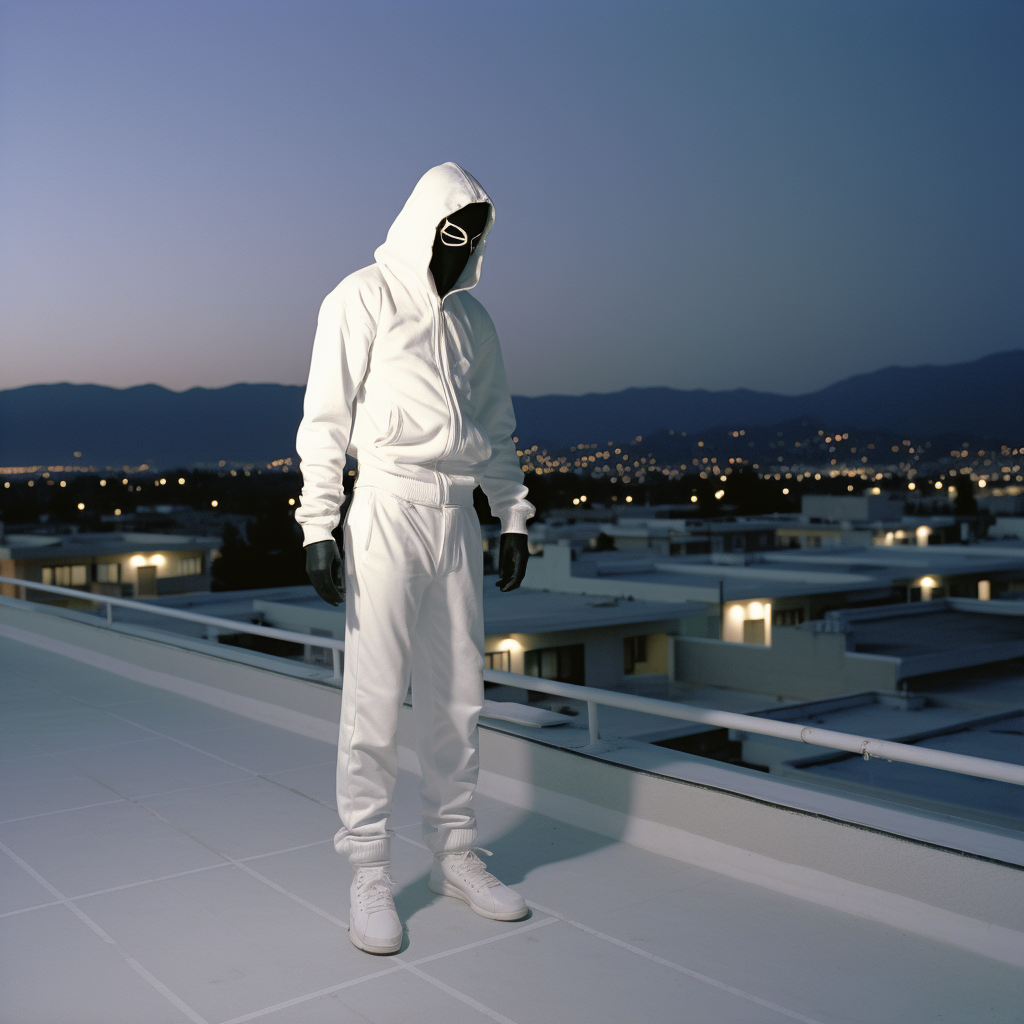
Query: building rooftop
{"points": [[169, 860], [73, 545]]}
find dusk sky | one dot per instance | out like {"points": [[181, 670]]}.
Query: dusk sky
{"points": [[772, 195]]}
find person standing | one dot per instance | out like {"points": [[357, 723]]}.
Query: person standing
{"points": [[407, 376]]}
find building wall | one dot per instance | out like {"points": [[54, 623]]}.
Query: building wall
{"points": [[799, 665]]}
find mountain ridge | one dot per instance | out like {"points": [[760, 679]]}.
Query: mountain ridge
{"points": [[44, 424]]}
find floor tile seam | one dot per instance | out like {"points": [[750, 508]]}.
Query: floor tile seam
{"points": [[189, 789], [64, 810], [182, 743], [99, 931], [696, 975], [394, 969], [150, 881], [26, 910], [461, 996]]}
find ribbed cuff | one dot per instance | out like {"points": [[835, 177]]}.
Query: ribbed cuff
{"points": [[450, 840], [513, 521], [313, 534], [364, 853]]}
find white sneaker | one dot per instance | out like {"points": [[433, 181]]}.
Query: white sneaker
{"points": [[465, 876], [373, 924]]}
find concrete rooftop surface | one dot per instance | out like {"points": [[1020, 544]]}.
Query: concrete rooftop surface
{"points": [[166, 860]]}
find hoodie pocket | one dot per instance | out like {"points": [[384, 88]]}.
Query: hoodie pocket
{"points": [[394, 431]]}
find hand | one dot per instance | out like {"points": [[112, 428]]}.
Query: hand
{"points": [[512, 557], [325, 568]]}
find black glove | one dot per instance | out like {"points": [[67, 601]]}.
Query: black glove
{"points": [[326, 571], [512, 558]]}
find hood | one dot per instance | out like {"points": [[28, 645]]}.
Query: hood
{"points": [[438, 194]]}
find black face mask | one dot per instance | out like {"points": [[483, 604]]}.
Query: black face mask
{"points": [[454, 241]]}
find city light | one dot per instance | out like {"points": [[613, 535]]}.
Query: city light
{"points": [[981, 483], [938, 485], [103, 483], [629, 497], [876, 490], [785, 490], [291, 501], [117, 511], [719, 495], [213, 504], [181, 479], [910, 486], [81, 506], [693, 498]]}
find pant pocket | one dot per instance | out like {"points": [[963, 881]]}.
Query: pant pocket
{"points": [[371, 515]]}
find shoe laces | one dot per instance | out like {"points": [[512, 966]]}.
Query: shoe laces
{"points": [[373, 887], [472, 868]]}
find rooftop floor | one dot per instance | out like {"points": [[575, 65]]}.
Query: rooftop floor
{"points": [[165, 860]]}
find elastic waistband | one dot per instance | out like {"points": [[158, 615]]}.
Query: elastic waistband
{"points": [[443, 490]]}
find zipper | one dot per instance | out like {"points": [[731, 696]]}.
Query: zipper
{"points": [[454, 416]]}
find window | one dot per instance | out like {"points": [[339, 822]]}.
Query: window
{"points": [[500, 661], [108, 572], [66, 575], [563, 664], [192, 566], [788, 617], [634, 651]]}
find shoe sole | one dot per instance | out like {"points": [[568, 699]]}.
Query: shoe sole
{"points": [[446, 888], [367, 948]]}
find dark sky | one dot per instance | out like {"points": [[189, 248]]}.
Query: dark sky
{"points": [[772, 194]]}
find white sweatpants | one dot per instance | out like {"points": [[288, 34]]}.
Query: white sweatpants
{"points": [[413, 573]]}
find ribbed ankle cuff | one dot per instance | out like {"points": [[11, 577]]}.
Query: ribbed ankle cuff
{"points": [[368, 853], [450, 840]]}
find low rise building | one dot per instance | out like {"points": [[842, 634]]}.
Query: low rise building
{"points": [[115, 564]]}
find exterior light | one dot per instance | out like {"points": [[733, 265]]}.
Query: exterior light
{"points": [[63, 483], [103, 483], [158, 560], [719, 495], [981, 483], [629, 497], [510, 645], [923, 533], [125, 480], [137, 560], [575, 501], [81, 506], [117, 511], [910, 487], [291, 501], [162, 480], [849, 487], [984, 590], [938, 485], [181, 479], [693, 497], [785, 490], [876, 490], [583, 497], [213, 504]]}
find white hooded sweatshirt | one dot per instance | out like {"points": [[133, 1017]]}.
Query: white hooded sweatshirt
{"points": [[410, 384]]}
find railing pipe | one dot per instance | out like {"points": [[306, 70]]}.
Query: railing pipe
{"points": [[231, 625], [964, 764]]}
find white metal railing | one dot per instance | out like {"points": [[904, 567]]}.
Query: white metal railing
{"points": [[963, 764], [232, 625]]}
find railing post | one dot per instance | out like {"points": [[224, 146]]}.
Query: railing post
{"points": [[110, 614], [592, 721], [336, 659]]}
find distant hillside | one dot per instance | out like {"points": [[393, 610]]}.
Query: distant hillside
{"points": [[47, 423]]}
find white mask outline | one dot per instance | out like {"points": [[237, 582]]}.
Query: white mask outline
{"points": [[448, 231]]}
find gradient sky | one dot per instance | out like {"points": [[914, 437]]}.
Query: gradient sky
{"points": [[718, 194]]}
